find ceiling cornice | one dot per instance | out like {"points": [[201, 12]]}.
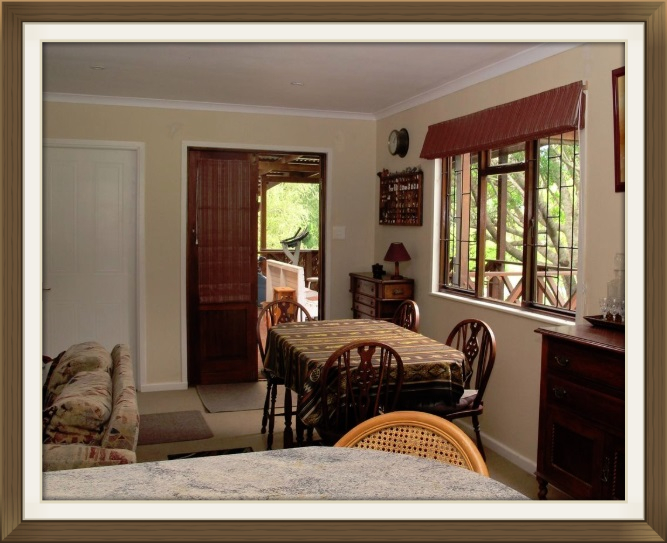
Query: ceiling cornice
{"points": [[537, 53], [201, 106]]}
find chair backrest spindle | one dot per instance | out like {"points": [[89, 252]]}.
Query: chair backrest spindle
{"points": [[358, 381], [407, 315], [277, 312]]}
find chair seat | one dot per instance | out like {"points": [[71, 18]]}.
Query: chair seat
{"points": [[442, 409], [270, 376]]}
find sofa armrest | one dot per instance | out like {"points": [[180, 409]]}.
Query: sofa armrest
{"points": [[74, 456], [122, 431]]}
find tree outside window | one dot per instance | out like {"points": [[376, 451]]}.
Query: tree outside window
{"points": [[510, 224]]}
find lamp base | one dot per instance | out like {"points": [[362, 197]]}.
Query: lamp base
{"points": [[397, 277]]}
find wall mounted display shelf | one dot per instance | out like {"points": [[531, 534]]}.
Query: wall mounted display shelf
{"points": [[401, 197]]}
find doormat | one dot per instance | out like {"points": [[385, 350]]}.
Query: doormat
{"points": [[174, 426], [238, 396], [202, 454]]}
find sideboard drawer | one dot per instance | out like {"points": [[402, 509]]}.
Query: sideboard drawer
{"points": [[364, 309], [366, 287], [594, 365], [397, 292], [585, 401], [365, 300]]}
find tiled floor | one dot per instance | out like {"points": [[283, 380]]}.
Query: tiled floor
{"points": [[242, 429]]}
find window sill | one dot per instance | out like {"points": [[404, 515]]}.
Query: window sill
{"points": [[539, 317]]}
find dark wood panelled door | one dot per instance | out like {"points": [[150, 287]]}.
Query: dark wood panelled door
{"points": [[222, 266]]}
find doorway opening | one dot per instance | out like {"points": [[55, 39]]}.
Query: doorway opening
{"points": [[291, 214], [285, 218], [290, 222]]}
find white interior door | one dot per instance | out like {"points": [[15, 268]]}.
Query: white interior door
{"points": [[89, 247]]}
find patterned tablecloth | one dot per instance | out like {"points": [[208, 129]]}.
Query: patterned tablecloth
{"points": [[296, 351]]}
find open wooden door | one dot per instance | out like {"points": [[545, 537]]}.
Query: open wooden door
{"points": [[222, 266]]}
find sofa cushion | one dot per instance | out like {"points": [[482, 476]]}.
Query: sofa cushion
{"points": [[87, 356], [79, 414], [57, 457]]}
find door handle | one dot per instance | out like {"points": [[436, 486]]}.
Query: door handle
{"points": [[46, 288]]}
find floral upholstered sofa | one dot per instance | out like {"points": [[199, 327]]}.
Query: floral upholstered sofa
{"points": [[90, 411]]}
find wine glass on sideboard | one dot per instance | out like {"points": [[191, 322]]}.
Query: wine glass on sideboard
{"points": [[604, 307], [614, 308]]}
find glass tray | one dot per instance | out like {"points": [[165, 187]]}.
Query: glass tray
{"points": [[597, 320]]}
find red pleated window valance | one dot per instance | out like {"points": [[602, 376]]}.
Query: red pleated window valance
{"points": [[555, 111]]}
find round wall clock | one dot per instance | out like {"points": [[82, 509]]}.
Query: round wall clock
{"points": [[398, 142]]}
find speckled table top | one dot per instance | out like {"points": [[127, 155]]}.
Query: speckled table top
{"points": [[306, 473]]}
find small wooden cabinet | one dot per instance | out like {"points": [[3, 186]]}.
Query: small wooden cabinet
{"points": [[581, 447], [378, 298]]}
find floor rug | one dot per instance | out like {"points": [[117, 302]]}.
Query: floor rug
{"points": [[201, 454], [237, 396], [170, 427]]}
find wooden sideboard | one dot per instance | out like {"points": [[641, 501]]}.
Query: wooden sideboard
{"points": [[581, 443], [378, 298]]}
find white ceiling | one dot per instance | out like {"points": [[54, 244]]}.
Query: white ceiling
{"points": [[337, 79]]}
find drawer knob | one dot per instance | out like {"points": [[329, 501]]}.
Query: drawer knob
{"points": [[397, 291], [562, 361], [560, 393]]}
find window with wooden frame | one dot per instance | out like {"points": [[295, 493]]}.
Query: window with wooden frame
{"points": [[509, 228], [510, 205]]}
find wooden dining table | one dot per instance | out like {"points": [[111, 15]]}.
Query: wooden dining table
{"points": [[297, 351]]}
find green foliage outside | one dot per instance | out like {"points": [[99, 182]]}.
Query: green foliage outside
{"points": [[557, 208], [289, 208], [557, 218]]}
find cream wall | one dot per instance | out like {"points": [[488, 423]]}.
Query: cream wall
{"points": [[510, 421], [357, 150], [349, 144]]}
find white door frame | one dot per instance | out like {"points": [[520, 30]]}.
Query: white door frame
{"points": [[140, 256]]}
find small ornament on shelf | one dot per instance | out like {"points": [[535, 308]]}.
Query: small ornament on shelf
{"points": [[401, 197], [378, 271], [612, 307]]}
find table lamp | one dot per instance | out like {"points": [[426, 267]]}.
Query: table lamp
{"points": [[396, 253]]}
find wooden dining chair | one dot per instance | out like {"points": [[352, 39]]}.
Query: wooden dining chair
{"points": [[417, 434], [359, 380], [478, 343], [273, 313], [407, 315]]}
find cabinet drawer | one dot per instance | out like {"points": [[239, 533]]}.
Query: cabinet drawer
{"points": [[397, 292], [585, 402], [591, 364], [365, 287], [364, 310], [366, 300]]}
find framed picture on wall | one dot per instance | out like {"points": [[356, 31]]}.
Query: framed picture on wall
{"points": [[618, 94]]}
